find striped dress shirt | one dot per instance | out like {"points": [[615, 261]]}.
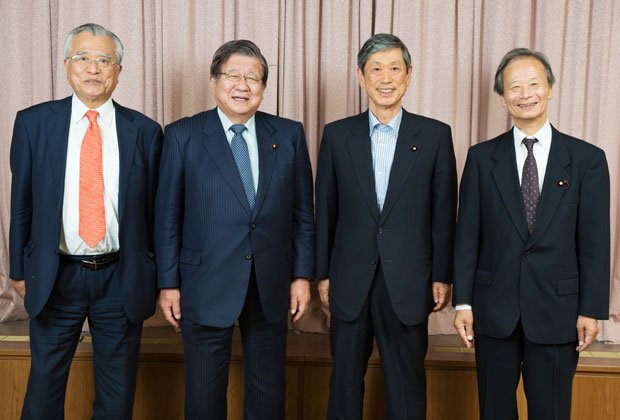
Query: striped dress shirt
{"points": [[383, 144]]}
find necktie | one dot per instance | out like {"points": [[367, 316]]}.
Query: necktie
{"points": [[92, 210], [529, 185], [242, 158]]}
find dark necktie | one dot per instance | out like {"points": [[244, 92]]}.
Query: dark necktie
{"points": [[242, 158], [529, 185]]}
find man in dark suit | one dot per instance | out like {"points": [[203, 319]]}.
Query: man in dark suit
{"points": [[532, 250], [385, 199], [235, 237], [81, 239]]}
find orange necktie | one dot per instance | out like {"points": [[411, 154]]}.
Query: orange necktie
{"points": [[92, 210]]}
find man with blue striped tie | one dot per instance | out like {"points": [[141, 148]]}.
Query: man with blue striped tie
{"points": [[235, 237], [386, 203]]}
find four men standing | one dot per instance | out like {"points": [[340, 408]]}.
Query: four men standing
{"points": [[235, 237]]}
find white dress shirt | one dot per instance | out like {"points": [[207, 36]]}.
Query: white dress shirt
{"points": [[70, 240], [250, 138], [383, 145], [541, 154]]}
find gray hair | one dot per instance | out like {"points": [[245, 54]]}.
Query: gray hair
{"points": [[381, 42], [94, 30], [241, 47], [515, 54]]}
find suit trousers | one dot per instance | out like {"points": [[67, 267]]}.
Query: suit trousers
{"points": [[548, 371], [402, 349], [207, 360], [81, 293]]}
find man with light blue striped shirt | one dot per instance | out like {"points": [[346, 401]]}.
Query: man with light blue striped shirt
{"points": [[385, 214]]}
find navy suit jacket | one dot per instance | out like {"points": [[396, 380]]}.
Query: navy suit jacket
{"points": [[413, 235], [548, 278], [207, 237], [38, 160]]}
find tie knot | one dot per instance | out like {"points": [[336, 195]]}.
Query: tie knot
{"points": [[529, 143], [238, 128], [92, 115]]}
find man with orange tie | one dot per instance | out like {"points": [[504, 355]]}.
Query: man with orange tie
{"points": [[81, 237]]}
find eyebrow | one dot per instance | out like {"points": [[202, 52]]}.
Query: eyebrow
{"points": [[96, 53]]}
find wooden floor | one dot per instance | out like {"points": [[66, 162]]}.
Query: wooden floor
{"points": [[451, 382]]}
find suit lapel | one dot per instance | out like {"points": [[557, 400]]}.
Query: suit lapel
{"points": [[361, 158], [267, 156], [507, 181], [551, 193], [127, 135], [408, 147], [217, 146], [58, 140]]}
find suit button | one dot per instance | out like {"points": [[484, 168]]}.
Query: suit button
{"points": [[248, 257], [381, 230], [373, 262], [253, 226]]}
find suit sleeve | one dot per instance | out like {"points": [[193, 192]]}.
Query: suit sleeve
{"points": [[593, 239], [467, 240], [326, 206], [303, 217], [443, 202], [154, 156], [21, 197], [169, 210]]}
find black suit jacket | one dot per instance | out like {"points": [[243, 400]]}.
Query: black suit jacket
{"points": [[562, 269], [208, 238], [38, 161], [412, 237]]}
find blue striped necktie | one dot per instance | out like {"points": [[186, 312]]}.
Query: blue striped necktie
{"points": [[242, 158]]}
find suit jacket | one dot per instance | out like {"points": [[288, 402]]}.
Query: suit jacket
{"points": [[38, 160], [547, 278], [412, 237], [208, 238]]}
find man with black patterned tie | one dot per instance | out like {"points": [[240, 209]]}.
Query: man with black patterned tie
{"points": [[532, 250]]}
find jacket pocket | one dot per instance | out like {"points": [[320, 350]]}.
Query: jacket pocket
{"points": [[568, 286], [190, 256]]}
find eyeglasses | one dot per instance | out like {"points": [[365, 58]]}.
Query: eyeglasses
{"points": [[84, 61], [250, 79]]}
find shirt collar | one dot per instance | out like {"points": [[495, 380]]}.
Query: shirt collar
{"points": [[250, 124], [394, 123], [78, 111], [543, 135]]}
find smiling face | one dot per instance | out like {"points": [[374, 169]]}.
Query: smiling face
{"points": [[526, 93], [239, 100], [385, 79], [92, 85]]}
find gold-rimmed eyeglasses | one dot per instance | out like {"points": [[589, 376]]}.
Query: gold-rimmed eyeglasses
{"points": [[250, 79], [85, 61]]}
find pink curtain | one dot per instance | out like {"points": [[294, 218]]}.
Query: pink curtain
{"points": [[311, 47]]}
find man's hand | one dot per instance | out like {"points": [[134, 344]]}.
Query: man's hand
{"points": [[441, 295], [300, 297], [323, 288], [20, 287], [170, 304], [464, 325], [587, 330]]}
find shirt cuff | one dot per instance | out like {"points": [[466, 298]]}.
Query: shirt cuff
{"points": [[463, 307]]}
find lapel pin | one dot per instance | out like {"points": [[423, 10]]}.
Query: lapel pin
{"points": [[274, 146], [563, 183], [414, 148]]}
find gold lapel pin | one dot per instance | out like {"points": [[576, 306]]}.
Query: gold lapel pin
{"points": [[274, 146], [414, 148], [563, 183]]}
